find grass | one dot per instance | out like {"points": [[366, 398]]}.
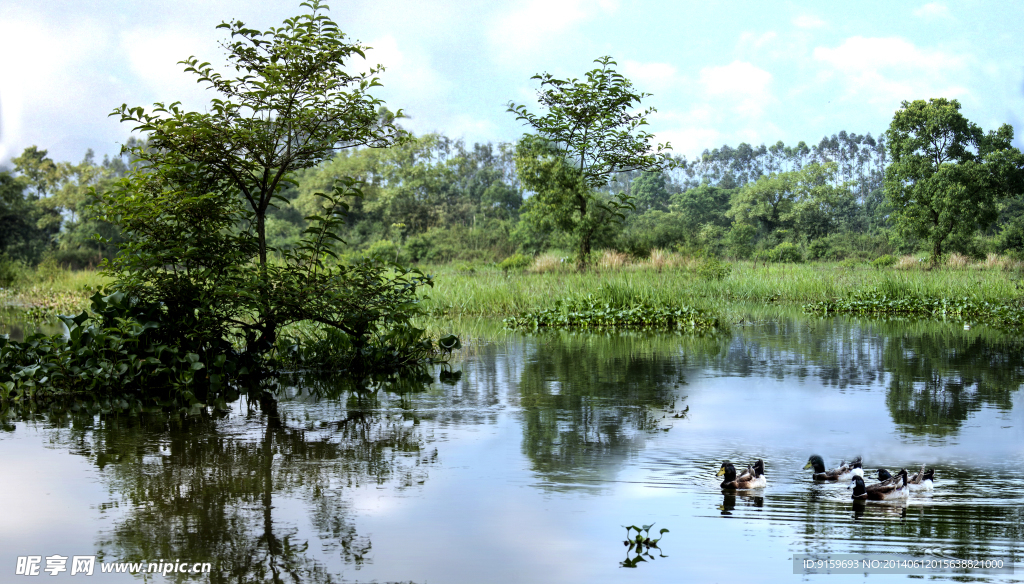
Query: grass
{"points": [[490, 292], [62, 292]]}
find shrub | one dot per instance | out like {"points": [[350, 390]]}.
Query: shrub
{"points": [[386, 250], [884, 261], [10, 271], [515, 262], [740, 240], [849, 264], [786, 252], [711, 268]]}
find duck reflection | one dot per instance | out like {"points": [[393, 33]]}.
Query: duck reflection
{"points": [[729, 501]]}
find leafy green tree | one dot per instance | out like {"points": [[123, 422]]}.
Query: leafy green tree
{"points": [[807, 202], [21, 237], [946, 174], [194, 209], [702, 205], [650, 191], [592, 128]]}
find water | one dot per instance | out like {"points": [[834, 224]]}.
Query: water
{"points": [[527, 466]]}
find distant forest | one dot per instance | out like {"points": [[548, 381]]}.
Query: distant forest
{"points": [[434, 199]]}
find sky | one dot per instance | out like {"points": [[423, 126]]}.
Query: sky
{"points": [[719, 72]]}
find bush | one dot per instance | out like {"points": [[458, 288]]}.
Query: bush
{"points": [[386, 250], [515, 262], [740, 241], [786, 252], [884, 261], [10, 271], [711, 268], [849, 264]]}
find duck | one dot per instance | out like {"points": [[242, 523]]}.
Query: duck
{"points": [[820, 474], [923, 480], [895, 488], [752, 478]]}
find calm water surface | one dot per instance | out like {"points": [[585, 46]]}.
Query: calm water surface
{"points": [[525, 465]]}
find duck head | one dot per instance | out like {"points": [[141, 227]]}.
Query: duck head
{"points": [[816, 462], [859, 490], [728, 470]]}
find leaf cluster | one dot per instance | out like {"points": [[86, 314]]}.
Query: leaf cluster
{"points": [[590, 313]]}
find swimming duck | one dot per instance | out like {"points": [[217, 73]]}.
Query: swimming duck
{"points": [[893, 489], [820, 474], [752, 478], [922, 481]]}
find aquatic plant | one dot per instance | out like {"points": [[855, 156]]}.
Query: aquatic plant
{"points": [[642, 543], [589, 312], [888, 300]]}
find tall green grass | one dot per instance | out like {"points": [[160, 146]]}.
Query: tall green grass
{"points": [[490, 292]]}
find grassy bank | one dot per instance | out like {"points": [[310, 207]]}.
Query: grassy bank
{"points": [[488, 291], [44, 297]]}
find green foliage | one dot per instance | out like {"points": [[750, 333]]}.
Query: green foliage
{"points": [[946, 175], [119, 352], [650, 191], [884, 261], [26, 228], [589, 313], [740, 240], [890, 299], [515, 262], [786, 252], [591, 131], [806, 200], [194, 207], [712, 268], [10, 271]]}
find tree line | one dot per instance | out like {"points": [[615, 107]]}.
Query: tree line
{"points": [[436, 199]]}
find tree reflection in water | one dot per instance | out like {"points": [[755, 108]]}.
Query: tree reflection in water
{"points": [[588, 399], [212, 489]]}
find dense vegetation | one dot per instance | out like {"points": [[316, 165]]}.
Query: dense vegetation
{"points": [[275, 227], [434, 199], [202, 305]]}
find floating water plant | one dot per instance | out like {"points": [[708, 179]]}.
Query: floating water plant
{"points": [[641, 544], [878, 302], [588, 312]]}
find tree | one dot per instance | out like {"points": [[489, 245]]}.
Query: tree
{"points": [[592, 129], [946, 175], [194, 208], [807, 201]]}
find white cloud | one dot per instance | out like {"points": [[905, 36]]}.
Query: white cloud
{"points": [[885, 71], [408, 74], [650, 76], [44, 76], [808, 21], [540, 23], [744, 86], [153, 56], [749, 40], [932, 10]]}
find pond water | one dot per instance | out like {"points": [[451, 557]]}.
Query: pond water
{"points": [[525, 465]]}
